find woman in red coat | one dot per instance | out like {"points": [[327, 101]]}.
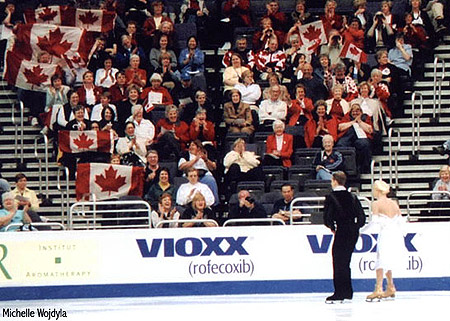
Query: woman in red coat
{"points": [[301, 108], [279, 146], [89, 93], [172, 134], [319, 125]]}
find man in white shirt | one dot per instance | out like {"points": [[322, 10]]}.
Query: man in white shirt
{"points": [[187, 191], [273, 108]]}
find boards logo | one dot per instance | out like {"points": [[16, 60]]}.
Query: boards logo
{"points": [[191, 246], [368, 244]]}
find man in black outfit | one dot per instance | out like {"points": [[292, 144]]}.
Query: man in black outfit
{"points": [[247, 207], [344, 215]]}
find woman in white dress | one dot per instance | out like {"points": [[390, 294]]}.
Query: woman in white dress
{"points": [[387, 217]]}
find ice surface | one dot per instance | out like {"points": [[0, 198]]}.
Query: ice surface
{"points": [[423, 306]]}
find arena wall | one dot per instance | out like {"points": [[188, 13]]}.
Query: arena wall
{"points": [[207, 261]]}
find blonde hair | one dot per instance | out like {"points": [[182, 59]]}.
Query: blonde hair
{"points": [[381, 186], [197, 197], [444, 168]]}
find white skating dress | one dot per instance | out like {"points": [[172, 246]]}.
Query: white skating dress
{"points": [[391, 249]]}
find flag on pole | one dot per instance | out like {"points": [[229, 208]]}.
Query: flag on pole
{"points": [[352, 52]]}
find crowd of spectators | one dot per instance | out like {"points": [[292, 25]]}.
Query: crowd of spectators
{"points": [[271, 83]]}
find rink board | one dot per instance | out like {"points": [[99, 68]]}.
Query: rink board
{"points": [[207, 261]]}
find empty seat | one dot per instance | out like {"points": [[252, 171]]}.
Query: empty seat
{"points": [[301, 174], [172, 166], [350, 167], [305, 156], [182, 32], [273, 172], [276, 185], [261, 136], [321, 188], [254, 187]]}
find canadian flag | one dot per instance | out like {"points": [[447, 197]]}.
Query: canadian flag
{"points": [[58, 41], [312, 35], [55, 15], [95, 20], [90, 20], [352, 52], [27, 74], [108, 180], [74, 141]]}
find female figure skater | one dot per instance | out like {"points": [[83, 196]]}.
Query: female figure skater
{"points": [[390, 245]]}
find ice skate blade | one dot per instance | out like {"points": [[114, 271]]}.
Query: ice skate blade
{"points": [[374, 300], [334, 301]]}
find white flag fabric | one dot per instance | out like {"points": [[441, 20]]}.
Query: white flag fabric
{"points": [[108, 181], [313, 35]]}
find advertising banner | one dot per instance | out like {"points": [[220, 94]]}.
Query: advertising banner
{"points": [[228, 260]]}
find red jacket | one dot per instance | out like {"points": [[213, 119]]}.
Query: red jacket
{"points": [[82, 94], [296, 110], [311, 128], [181, 130], [166, 98], [149, 26], [242, 10], [117, 95], [209, 133], [286, 150]]}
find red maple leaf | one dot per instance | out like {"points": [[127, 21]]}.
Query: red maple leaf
{"points": [[53, 44], [109, 182], [35, 76], [354, 51], [88, 18], [312, 33], [83, 142], [47, 14]]}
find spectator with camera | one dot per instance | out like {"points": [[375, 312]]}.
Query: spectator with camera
{"points": [[247, 207], [380, 35], [333, 48], [331, 20], [261, 38]]}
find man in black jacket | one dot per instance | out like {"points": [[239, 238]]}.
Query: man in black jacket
{"points": [[344, 215]]}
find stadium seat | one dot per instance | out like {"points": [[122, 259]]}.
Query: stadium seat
{"points": [[182, 32], [157, 114], [254, 187], [320, 187], [301, 174], [349, 154], [177, 181], [273, 172], [173, 168], [276, 185], [261, 136], [305, 156]]}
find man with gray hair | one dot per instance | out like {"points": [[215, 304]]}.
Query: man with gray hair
{"points": [[272, 109]]}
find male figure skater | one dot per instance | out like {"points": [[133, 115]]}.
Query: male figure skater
{"points": [[344, 215]]}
